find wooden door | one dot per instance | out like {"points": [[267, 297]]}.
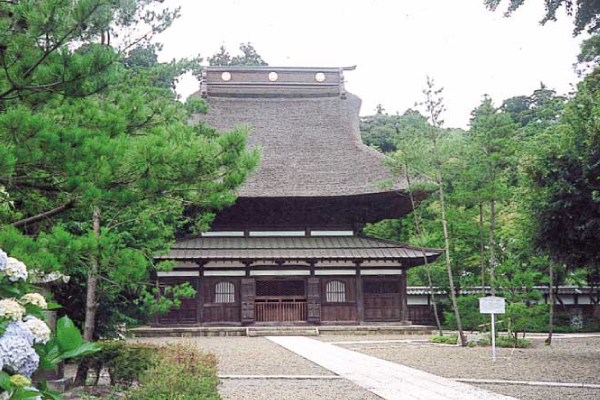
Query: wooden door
{"points": [[381, 298], [187, 313]]}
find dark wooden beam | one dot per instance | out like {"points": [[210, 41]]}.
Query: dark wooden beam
{"points": [[248, 294], [360, 304], [200, 294], [247, 265], [403, 298], [313, 300]]}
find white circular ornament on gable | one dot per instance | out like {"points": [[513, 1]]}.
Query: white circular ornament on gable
{"points": [[226, 76], [320, 77], [273, 76]]}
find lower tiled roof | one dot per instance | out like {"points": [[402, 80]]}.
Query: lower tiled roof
{"points": [[297, 248], [565, 289]]}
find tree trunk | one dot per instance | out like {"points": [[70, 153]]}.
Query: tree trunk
{"points": [[551, 300], [92, 282], [492, 244], [90, 302], [434, 104], [481, 247], [440, 182], [557, 299], [433, 301], [426, 262]]}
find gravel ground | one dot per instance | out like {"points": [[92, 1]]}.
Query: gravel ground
{"points": [[258, 389], [543, 393], [569, 360], [240, 355], [259, 356]]}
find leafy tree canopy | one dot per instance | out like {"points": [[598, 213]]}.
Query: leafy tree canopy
{"points": [[98, 159], [249, 57], [586, 13], [383, 130], [566, 175], [536, 112]]}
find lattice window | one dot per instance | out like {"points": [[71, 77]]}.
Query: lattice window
{"points": [[224, 292], [335, 292], [274, 288], [381, 287]]}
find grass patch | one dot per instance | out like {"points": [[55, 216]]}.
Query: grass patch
{"points": [[451, 339]]}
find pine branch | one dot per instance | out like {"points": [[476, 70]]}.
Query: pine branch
{"points": [[32, 185], [45, 215], [47, 53]]}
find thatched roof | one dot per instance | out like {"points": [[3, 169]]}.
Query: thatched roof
{"points": [[308, 132]]}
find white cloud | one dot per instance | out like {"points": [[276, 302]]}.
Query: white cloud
{"points": [[467, 49]]}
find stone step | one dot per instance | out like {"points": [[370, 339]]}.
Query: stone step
{"points": [[298, 330], [254, 332]]}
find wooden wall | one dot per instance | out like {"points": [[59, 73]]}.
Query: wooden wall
{"points": [[381, 296], [382, 301]]}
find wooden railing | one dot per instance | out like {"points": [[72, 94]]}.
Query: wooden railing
{"points": [[280, 311]]}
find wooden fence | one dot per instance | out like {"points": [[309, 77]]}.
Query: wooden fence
{"points": [[280, 311]]}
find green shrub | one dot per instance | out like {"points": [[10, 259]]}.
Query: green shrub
{"points": [[521, 318], [506, 341], [182, 373], [451, 339], [470, 317], [126, 362]]}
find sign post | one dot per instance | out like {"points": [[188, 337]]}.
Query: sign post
{"points": [[492, 305]]}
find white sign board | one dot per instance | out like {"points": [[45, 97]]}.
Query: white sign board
{"points": [[492, 305]]}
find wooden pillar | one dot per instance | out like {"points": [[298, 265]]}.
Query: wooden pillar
{"points": [[360, 304], [200, 294], [313, 300], [404, 315], [247, 299]]}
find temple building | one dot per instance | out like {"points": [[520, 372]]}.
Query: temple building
{"points": [[291, 249]]}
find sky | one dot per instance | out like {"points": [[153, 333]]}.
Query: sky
{"points": [[395, 44]]}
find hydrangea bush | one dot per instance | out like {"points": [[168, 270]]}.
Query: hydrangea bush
{"points": [[27, 344]]}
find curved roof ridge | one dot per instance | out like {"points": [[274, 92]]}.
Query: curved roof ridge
{"points": [[294, 248], [403, 244]]}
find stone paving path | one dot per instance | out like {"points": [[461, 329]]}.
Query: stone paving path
{"points": [[386, 379]]}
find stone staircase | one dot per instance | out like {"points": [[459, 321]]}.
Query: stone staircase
{"points": [[256, 331]]}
